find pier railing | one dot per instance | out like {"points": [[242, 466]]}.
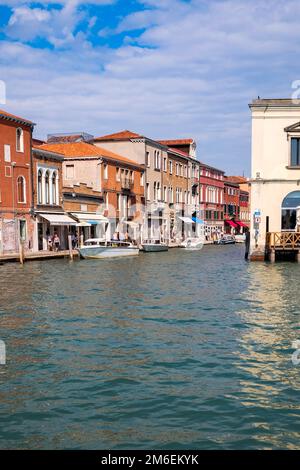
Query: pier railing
{"points": [[283, 240]]}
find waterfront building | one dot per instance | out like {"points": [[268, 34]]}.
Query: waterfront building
{"points": [[231, 206], [48, 214], [152, 156], [115, 183], [180, 178], [212, 200], [275, 176], [86, 206], [15, 183], [243, 221], [171, 181]]}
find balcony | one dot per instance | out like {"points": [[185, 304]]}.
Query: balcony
{"points": [[126, 184]]}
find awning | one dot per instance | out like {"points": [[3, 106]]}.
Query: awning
{"points": [[186, 220], [90, 218], [198, 221], [58, 219], [232, 224], [83, 224], [241, 224]]}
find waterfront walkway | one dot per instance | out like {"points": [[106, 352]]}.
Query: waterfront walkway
{"points": [[36, 256]]}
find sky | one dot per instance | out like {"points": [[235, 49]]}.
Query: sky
{"points": [[162, 68]]}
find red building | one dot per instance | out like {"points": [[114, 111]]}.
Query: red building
{"points": [[212, 200], [15, 183], [236, 204]]}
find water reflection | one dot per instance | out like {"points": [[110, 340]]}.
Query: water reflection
{"points": [[182, 350]]}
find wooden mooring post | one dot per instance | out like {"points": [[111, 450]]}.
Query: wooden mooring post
{"points": [[70, 247], [21, 252]]}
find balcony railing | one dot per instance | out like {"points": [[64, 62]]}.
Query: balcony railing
{"points": [[126, 183], [283, 240]]}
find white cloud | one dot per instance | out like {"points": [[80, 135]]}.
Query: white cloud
{"points": [[191, 73]]}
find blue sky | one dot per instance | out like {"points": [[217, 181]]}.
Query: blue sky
{"points": [[163, 68]]}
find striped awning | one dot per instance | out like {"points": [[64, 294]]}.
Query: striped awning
{"points": [[58, 219]]}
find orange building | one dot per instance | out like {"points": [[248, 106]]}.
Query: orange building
{"points": [[113, 184], [15, 183]]}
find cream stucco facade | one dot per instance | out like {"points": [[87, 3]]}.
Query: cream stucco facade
{"points": [[273, 173]]}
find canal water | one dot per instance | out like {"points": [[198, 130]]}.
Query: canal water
{"points": [[164, 351]]}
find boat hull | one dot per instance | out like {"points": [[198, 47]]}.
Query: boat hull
{"points": [[100, 252], [149, 248]]}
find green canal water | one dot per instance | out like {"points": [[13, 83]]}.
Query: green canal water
{"points": [[165, 351]]}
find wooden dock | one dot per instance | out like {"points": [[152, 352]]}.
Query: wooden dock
{"points": [[37, 256], [282, 243]]}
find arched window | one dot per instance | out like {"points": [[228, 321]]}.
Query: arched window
{"points": [[40, 188], [289, 210], [47, 188], [54, 188], [21, 189], [20, 140]]}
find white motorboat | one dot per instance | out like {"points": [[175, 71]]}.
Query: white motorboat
{"points": [[193, 243], [99, 248]]}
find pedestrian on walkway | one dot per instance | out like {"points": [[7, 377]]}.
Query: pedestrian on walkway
{"points": [[56, 242]]}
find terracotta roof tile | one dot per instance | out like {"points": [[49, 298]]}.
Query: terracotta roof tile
{"points": [[83, 149], [176, 142], [5, 114], [236, 179], [123, 135]]}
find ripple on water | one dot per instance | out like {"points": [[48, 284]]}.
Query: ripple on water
{"points": [[174, 350]]}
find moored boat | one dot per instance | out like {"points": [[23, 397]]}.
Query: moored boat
{"points": [[193, 243], [98, 248], [152, 246]]}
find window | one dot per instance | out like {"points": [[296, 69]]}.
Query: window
{"points": [[158, 192], [69, 172], [142, 179], [154, 192], [7, 156], [83, 207], [105, 171], [118, 174], [148, 191], [40, 188], [177, 169], [289, 210], [54, 176], [295, 152], [165, 164], [22, 230], [47, 188], [8, 171], [20, 140], [165, 194], [21, 189], [148, 159], [156, 160], [171, 167]]}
